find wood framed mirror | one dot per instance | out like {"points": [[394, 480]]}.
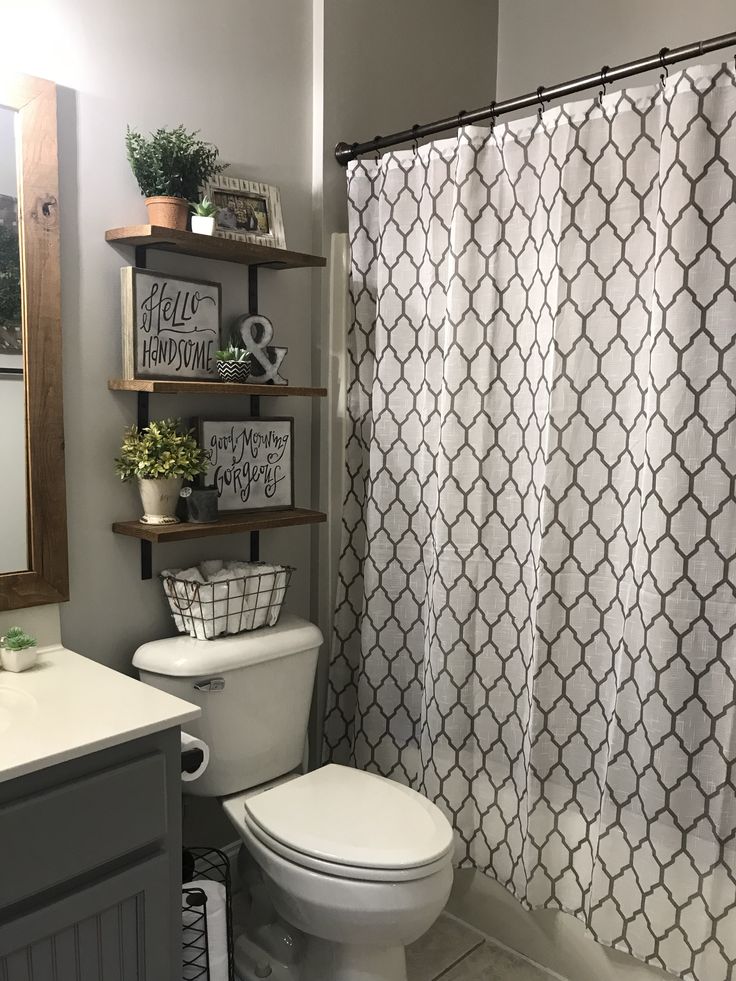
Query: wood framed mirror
{"points": [[33, 534]]}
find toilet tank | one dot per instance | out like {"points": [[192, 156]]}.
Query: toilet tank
{"points": [[254, 689]]}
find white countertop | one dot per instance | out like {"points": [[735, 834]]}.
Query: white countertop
{"points": [[67, 706]]}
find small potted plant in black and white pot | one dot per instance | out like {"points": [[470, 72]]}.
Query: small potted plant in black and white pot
{"points": [[203, 217], [233, 364], [19, 650]]}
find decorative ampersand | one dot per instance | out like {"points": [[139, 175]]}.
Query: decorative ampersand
{"points": [[256, 332]]}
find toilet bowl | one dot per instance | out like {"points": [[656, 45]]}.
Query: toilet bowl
{"points": [[358, 866], [361, 865]]}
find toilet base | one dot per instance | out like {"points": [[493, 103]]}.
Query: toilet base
{"points": [[322, 960], [327, 961]]}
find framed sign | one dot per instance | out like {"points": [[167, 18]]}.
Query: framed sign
{"points": [[247, 211], [171, 325], [250, 462]]}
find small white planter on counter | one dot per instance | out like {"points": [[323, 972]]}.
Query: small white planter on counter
{"points": [[203, 225], [19, 660]]}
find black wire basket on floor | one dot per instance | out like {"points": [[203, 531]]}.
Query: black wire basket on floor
{"points": [[213, 866]]}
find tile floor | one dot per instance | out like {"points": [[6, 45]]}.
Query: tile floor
{"points": [[451, 951]]}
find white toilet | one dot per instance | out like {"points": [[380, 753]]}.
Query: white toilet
{"points": [[357, 865]]}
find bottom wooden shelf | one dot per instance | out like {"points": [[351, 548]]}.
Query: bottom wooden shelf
{"points": [[230, 524]]}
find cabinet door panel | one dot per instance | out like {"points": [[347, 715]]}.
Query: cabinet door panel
{"points": [[114, 930]]}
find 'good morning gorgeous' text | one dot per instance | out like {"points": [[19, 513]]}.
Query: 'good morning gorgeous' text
{"points": [[247, 459]]}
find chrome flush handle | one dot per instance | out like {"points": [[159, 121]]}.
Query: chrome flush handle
{"points": [[210, 684]]}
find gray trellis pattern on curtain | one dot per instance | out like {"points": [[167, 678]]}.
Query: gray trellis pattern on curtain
{"points": [[536, 601]]}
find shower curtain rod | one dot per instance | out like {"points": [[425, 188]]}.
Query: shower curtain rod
{"points": [[345, 152]]}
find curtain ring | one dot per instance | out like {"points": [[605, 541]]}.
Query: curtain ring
{"points": [[604, 71], [492, 110], [665, 71], [540, 90], [415, 142], [378, 152]]}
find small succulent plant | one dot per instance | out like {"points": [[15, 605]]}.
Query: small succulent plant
{"points": [[16, 639], [159, 451], [204, 208], [233, 353]]}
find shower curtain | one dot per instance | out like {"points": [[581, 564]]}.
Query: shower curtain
{"points": [[536, 602]]}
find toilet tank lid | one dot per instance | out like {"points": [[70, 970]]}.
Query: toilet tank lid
{"points": [[185, 657]]}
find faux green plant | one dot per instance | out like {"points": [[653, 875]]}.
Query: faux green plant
{"points": [[171, 162], [16, 639], [162, 450], [233, 353], [204, 208]]}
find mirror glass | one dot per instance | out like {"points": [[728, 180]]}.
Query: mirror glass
{"points": [[13, 477]]}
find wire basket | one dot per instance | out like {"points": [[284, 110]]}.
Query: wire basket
{"points": [[206, 610], [212, 865]]}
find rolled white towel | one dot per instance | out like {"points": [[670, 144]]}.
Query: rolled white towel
{"points": [[170, 592], [264, 581], [229, 590], [210, 567], [277, 599], [249, 583], [185, 601]]}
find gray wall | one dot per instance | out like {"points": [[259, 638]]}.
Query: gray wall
{"points": [[541, 42]]}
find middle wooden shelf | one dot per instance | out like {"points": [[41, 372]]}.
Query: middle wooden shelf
{"points": [[230, 524]]}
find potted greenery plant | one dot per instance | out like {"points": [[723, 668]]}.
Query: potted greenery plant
{"points": [[170, 165], [203, 217], [233, 364], [160, 457], [19, 650]]}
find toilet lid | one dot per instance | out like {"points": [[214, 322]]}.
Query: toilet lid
{"points": [[350, 817]]}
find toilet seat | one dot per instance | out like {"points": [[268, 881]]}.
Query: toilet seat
{"points": [[339, 871], [349, 824]]}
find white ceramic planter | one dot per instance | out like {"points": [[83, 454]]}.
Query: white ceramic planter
{"points": [[19, 660], [159, 499], [202, 225]]}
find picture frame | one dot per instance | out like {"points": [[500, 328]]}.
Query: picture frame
{"points": [[247, 211], [250, 461], [171, 325]]}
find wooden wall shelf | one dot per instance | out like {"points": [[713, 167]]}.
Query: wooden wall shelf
{"points": [[211, 247], [155, 386], [231, 524]]}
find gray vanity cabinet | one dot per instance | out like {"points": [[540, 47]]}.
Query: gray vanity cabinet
{"points": [[90, 867]]}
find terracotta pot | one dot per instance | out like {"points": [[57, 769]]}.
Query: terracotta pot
{"points": [[168, 212], [159, 499]]}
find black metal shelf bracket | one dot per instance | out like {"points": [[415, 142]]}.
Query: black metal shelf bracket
{"points": [[141, 261], [255, 401]]}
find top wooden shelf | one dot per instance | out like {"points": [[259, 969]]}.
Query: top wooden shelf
{"points": [[171, 386], [211, 247]]}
